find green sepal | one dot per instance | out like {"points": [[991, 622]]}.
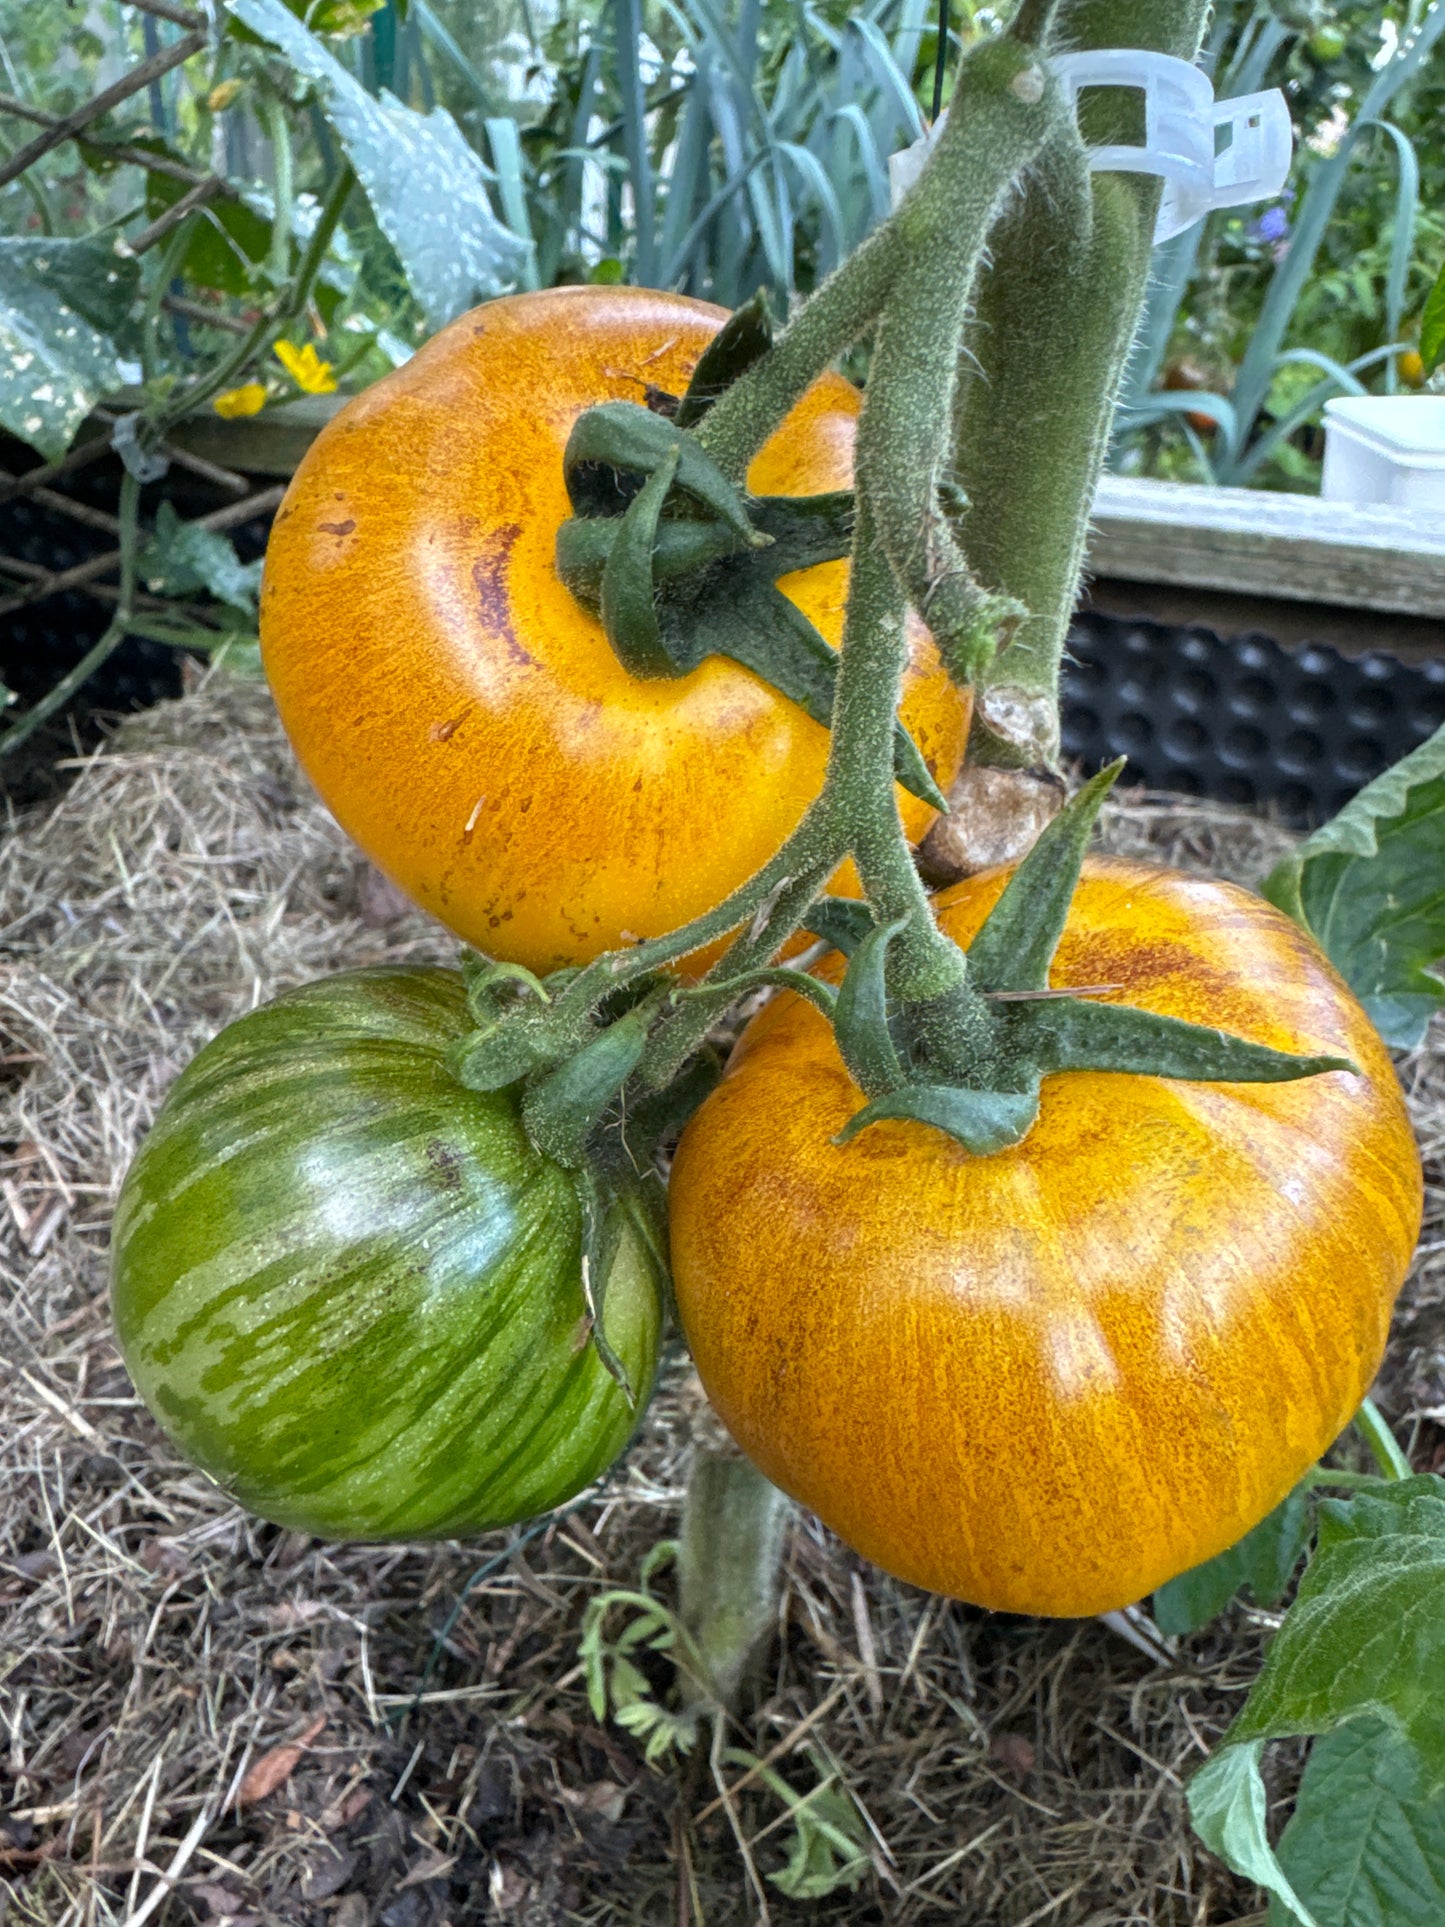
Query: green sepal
{"points": [[840, 922], [606, 1214], [756, 625], [860, 1020], [745, 337], [1068, 1034], [563, 1108], [618, 439], [981, 1121], [493, 986], [500, 1052], [727, 990], [1016, 945], [654, 1119], [585, 542], [629, 608]]}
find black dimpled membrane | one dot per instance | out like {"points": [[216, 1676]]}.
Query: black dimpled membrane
{"points": [[1242, 720]]}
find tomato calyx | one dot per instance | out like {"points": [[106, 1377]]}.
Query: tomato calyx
{"points": [[971, 1062], [680, 565]]}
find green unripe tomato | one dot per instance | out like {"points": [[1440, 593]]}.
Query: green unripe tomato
{"points": [[351, 1289]]}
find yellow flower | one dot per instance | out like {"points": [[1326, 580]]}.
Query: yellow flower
{"points": [[306, 368], [249, 400], [1412, 368], [221, 95]]}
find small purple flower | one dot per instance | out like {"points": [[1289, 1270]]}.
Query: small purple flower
{"points": [[1271, 227]]}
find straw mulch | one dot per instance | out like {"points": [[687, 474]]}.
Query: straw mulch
{"points": [[205, 1718]]}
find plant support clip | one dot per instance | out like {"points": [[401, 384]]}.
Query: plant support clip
{"points": [[1209, 153]]}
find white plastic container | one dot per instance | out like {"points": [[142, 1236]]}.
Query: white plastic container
{"points": [[1387, 449]]}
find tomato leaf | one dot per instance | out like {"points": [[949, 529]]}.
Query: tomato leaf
{"points": [[1365, 1846], [1263, 1561], [1370, 888], [1432, 326], [60, 302], [1361, 1649], [1016, 945], [427, 188], [1227, 1806], [1366, 1633]]}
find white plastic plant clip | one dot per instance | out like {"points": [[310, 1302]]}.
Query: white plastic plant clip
{"points": [[1208, 153]]}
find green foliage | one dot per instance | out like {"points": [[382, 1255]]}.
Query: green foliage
{"points": [[1432, 326], [616, 1684], [1264, 1562], [1370, 887], [1361, 1652], [182, 557], [60, 301], [1257, 320], [1365, 1846], [829, 1847], [426, 187]]}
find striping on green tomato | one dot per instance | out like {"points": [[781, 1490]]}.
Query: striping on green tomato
{"points": [[351, 1289]]}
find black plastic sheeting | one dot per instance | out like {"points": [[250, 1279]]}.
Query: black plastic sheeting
{"points": [[1242, 720]]}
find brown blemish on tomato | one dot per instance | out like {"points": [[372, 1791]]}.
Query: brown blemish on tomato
{"points": [[337, 528], [444, 732], [489, 577]]}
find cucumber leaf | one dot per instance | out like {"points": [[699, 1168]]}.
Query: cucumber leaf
{"points": [[427, 188], [182, 557], [1264, 1561], [1370, 888], [60, 300]]}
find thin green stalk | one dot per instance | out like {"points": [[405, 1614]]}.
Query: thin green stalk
{"points": [[838, 315], [55, 699], [860, 765], [817, 843], [1005, 108], [165, 272], [279, 134], [1384, 1446]]}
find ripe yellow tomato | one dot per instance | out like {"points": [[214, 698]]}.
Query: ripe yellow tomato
{"points": [[1048, 1380], [465, 718]]}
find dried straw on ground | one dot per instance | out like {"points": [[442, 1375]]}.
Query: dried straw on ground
{"points": [[207, 1719]]}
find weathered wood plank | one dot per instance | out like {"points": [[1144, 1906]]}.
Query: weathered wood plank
{"points": [[1251, 541]]}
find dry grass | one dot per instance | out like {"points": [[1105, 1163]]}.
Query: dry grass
{"points": [[157, 1646]]}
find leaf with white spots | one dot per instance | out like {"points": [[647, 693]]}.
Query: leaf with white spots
{"points": [[427, 188], [59, 302]]}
